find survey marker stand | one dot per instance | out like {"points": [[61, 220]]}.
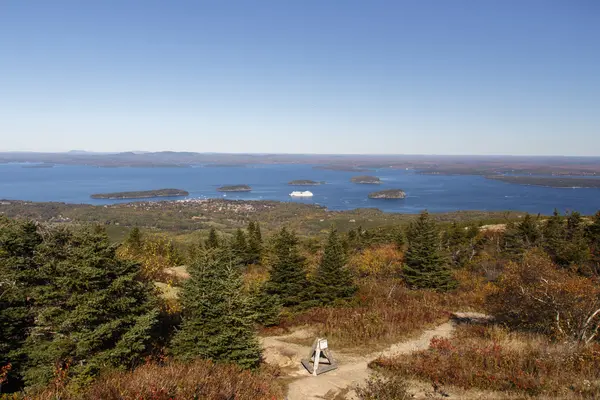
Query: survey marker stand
{"points": [[320, 359]]}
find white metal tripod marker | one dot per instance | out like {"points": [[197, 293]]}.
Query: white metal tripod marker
{"points": [[313, 363]]}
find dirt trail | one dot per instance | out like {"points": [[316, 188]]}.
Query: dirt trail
{"points": [[352, 370]]}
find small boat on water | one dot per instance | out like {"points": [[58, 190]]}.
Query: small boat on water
{"points": [[301, 194]]}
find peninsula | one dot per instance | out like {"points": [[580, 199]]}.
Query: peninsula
{"points": [[146, 194], [388, 194], [235, 188], [366, 179], [548, 181], [305, 182]]}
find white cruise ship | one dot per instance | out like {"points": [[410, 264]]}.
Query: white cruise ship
{"points": [[301, 194]]}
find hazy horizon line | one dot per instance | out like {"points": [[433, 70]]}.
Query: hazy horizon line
{"points": [[142, 152]]}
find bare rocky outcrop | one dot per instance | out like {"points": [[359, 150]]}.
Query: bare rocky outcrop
{"points": [[473, 318]]}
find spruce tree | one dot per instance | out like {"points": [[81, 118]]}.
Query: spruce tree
{"points": [[456, 241], [512, 241], [399, 239], [554, 235], [529, 231], [134, 240], [267, 307], [18, 244], [332, 280], [287, 277], [593, 235], [212, 242], [255, 244], [593, 230], [240, 247], [91, 309], [217, 315], [576, 250], [520, 237], [425, 267], [172, 255]]}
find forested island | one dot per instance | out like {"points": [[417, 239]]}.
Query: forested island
{"points": [[548, 181], [235, 188], [144, 194], [305, 182], [366, 179], [388, 194]]}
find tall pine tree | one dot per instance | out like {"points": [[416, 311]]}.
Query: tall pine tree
{"points": [[91, 309], [239, 246], [255, 243], [18, 244], [287, 277], [529, 231], [212, 242], [553, 234], [425, 267], [593, 235], [593, 230], [576, 250], [134, 240], [218, 317], [520, 237], [333, 281], [267, 307]]}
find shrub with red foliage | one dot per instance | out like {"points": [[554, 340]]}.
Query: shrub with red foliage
{"points": [[490, 358], [201, 379], [384, 312]]}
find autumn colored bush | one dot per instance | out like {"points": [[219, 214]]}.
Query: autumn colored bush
{"points": [[178, 381], [493, 358], [155, 253], [378, 387], [536, 295], [383, 312], [377, 261]]}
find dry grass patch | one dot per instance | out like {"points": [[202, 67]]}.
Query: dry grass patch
{"points": [[178, 381], [384, 312], [491, 358]]}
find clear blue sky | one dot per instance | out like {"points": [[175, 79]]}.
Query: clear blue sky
{"points": [[313, 76]]}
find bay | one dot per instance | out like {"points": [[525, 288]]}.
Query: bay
{"points": [[436, 193]]}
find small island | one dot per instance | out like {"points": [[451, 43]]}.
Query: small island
{"points": [[305, 182], [388, 194], [145, 194], [235, 188], [366, 179]]}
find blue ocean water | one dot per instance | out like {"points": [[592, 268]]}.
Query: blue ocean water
{"points": [[437, 193]]}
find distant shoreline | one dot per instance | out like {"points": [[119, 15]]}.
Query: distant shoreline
{"points": [[551, 182], [419, 164]]}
